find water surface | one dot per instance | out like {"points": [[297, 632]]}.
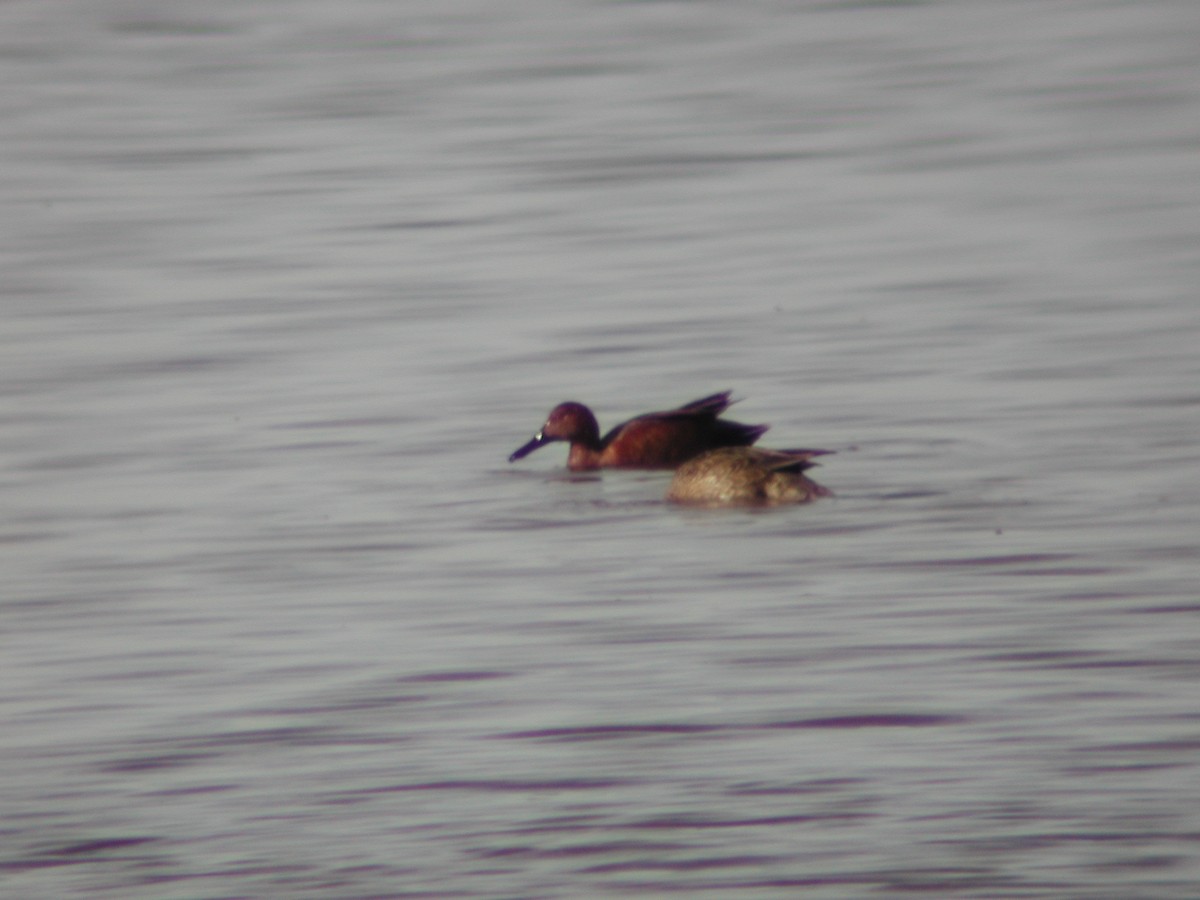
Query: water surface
{"points": [[285, 283]]}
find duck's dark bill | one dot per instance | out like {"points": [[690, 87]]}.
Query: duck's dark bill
{"points": [[525, 449]]}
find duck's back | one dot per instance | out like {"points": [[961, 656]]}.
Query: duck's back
{"points": [[734, 476], [663, 441]]}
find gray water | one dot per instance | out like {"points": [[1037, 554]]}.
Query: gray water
{"points": [[283, 285]]}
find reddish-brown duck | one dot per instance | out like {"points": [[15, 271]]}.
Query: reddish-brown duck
{"points": [[657, 440]]}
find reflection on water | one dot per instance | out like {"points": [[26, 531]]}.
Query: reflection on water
{"points": [[282, 294]]}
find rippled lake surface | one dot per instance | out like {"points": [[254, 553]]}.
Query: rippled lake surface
{"points": [[284, 284]]}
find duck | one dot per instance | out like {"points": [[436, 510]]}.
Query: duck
{"points": [[655, 440], [746, 476]]}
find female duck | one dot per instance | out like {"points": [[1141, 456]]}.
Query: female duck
{"points": [[746, 476]]}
